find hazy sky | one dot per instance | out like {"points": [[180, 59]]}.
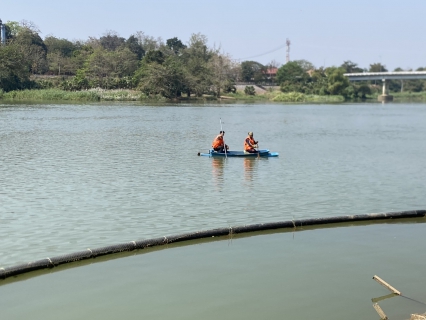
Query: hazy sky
{"points": [[325, 32]]}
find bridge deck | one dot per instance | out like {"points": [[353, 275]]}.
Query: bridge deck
{"points": [[401, 75]]}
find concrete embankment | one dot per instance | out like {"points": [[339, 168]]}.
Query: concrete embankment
{"points": [[258, 88]]}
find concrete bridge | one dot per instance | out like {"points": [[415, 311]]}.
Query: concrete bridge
{"points": [[384, 76]]}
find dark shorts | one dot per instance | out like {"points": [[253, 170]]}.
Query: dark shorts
{"points": [[220, 149]]}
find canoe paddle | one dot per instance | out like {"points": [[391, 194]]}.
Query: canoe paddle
{"points": [[223, 138], [258, 150]]}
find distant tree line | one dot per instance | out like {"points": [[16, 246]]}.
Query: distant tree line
{"points": [[166, 68], [140, 62], [302, 76]]}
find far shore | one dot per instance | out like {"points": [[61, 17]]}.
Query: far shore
{"points": [[95, 95]]}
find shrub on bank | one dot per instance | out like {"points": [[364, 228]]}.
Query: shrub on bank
{"points": [[300, 97], [84, 95], [51, 95], [289, 97], [409, 96], [250, 91]]}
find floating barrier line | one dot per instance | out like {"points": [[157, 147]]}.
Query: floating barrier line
{"points": [[142, 244], [51, 262]]}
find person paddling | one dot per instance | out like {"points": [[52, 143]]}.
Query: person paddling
{"points": [[250, 144], [218, 144]]}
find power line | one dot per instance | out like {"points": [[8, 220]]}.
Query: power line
{"points": [[259, 55]]}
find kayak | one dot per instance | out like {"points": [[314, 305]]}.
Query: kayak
{"points": [[240, 154]]}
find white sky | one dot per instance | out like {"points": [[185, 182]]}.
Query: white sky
{"points": [[324, 32]]}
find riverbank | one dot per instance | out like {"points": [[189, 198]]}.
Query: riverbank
{"points": [[133, 95], [94, 95], [62, 95], [409, 96]]}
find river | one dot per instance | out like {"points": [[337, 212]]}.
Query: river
{"points": [[83, 176]]}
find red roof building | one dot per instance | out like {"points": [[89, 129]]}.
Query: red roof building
{"points": [[271, 72]]}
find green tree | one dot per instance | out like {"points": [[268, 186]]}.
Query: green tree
{"points": [[111, 41], [291, 72], [336, 81], [59, 54], [351, 67], [79, 82], [12, 29], [63, 46], [33, 48], [13, 68], [105, 65], [56, 62], [377, 67], [396, 85], [97, 64], [221, 71], [253, 71], [123, 62], [363, 90], [196, 61], [167, 79], [80, 57], [305, 65], [415, 85], [175, 45], [156, 56], [133, 44], [148, 43], [8, 32]]}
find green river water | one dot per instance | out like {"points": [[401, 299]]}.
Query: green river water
{"points": [[84, 176]]}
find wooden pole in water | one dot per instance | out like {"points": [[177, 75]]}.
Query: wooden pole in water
{"points": [[379, 310], [386, 285], [378, 299]]}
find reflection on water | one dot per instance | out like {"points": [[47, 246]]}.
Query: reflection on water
{"points": [[217, 170], [250, 166]]}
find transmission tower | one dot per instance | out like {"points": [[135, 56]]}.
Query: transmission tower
{"points": [[287, 59]]}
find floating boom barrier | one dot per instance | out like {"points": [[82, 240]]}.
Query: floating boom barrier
{"points": [[142, 244]]}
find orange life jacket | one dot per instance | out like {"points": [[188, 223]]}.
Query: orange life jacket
{"points": [[247, 146], [217, 142]]}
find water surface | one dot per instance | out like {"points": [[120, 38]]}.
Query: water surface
{"points": [[82, 176], [323, 273]]}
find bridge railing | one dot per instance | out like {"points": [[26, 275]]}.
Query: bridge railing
{"points": [[400, 75]]}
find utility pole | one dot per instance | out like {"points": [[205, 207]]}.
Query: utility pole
{"points": [[2, 33], [288, 51]]}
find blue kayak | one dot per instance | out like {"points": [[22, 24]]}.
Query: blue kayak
{"points": [[240, 154]]}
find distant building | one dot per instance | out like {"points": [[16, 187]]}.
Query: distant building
{"points": [[271, 74]]}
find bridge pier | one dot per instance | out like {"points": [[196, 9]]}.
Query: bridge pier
{"points": [[384, 76], [385, 94]]}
